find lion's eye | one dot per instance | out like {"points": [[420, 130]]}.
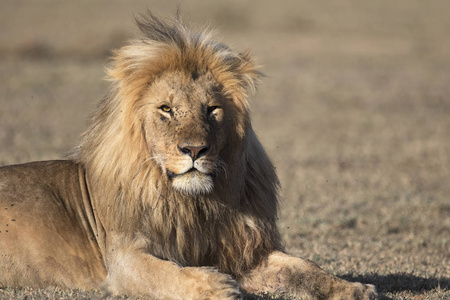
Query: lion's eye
{"points": [[165, 108], [211, 109]]}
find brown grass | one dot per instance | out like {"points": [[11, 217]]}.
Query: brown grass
{"points": [[355, 113]]}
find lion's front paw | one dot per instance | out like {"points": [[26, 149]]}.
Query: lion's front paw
{"points": [[356, 291], [208, 283]]}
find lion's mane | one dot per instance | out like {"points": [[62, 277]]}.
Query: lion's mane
{"points": [[232, 228]]}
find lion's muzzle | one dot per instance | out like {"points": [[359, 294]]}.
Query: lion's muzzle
{"points": [[195, 169]]}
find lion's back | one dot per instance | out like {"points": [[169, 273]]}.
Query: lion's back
{"points": [[18, 182]]}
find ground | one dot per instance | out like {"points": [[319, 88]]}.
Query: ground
{"points": [[354, 112]]}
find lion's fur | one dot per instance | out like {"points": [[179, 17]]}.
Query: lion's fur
{"points": [[134, 191]]}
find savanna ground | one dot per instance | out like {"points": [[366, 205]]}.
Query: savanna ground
{"points": [[355, 113]]}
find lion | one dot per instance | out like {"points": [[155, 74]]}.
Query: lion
{"points": [[169, 195]]}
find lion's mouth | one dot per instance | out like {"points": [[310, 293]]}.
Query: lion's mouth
{"points": [[173, 175]]}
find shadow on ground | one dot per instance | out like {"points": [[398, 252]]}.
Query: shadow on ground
{"points": [[400, 282]]}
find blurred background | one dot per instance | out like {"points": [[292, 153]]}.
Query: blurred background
{"points": [[354, 112]]}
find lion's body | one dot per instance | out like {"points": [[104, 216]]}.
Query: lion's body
{"points": [[169, 195]]}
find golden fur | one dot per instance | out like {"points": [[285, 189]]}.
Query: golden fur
{"points": [[175, 184]]}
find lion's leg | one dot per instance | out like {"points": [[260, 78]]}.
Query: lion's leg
{"points": [[138, 273], [295, 277]]}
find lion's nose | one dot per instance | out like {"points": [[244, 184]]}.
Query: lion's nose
{"points": [[193, 151]]}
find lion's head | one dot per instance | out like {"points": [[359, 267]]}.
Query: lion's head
{"points": [[179, 101]]}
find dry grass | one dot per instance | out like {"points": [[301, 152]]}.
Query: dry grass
{"points": [[355, 113]]}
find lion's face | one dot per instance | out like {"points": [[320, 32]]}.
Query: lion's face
{"points": [[187, 124]]}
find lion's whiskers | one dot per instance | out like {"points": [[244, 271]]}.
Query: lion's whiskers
{"points": [[220, 166]]}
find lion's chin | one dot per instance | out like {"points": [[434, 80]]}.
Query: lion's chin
{"points": [[193, 183]]}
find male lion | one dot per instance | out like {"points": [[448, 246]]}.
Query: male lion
{"points": [[170, 194]]}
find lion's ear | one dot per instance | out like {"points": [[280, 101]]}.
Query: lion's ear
{"points": [[131, 60], [249, 71], [134, 66]]}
